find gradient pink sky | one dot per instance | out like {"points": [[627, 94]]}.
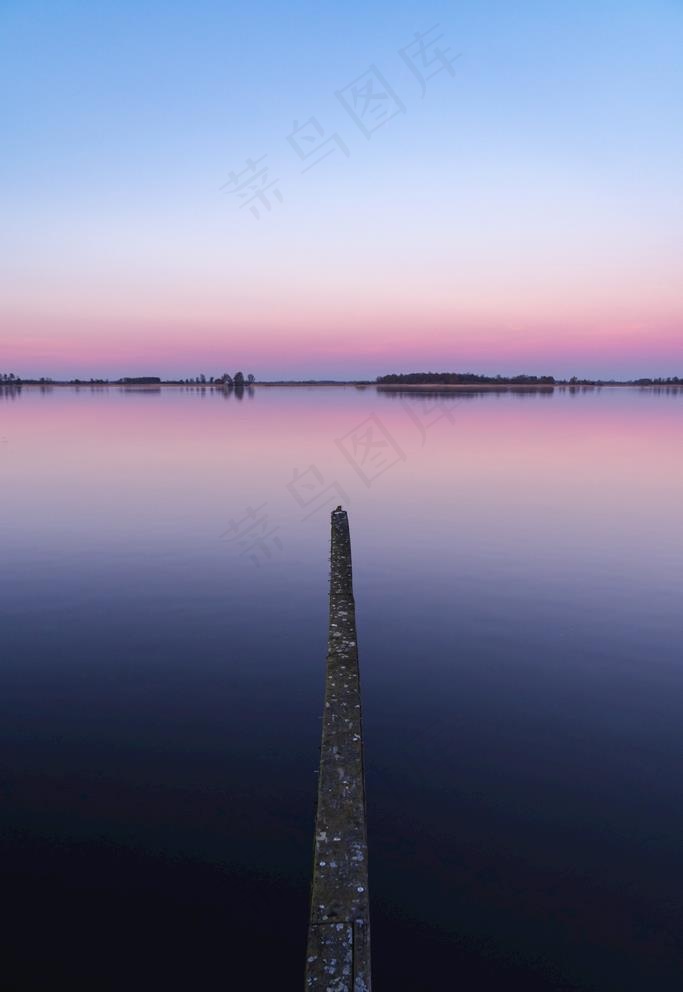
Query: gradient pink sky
{"points": [[526, 215]]}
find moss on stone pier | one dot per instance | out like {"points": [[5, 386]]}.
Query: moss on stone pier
{"points": [[338, 954]]}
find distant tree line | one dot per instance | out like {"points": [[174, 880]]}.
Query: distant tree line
{"points": [[461, 379], [238, 380], [140, 380], [470, 378], [672, 380]]}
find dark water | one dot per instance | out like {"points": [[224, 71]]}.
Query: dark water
{"points": [[518, 565]]}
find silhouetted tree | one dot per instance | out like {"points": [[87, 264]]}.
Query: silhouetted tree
{"points": [[239, 379], [251, 379]]}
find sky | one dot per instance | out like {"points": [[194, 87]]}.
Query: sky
{"points": [[501, 193]]}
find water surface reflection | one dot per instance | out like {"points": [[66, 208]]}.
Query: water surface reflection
{"points": [[518, 577]]}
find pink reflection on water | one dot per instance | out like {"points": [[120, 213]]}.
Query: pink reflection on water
{"points": [[516, 472]]}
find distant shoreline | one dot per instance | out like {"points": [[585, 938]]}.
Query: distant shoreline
{"points": [[326, 384]]}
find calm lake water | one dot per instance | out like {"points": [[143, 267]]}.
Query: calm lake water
{"points": [[518, 576]]}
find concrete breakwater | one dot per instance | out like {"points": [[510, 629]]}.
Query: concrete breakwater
{"points": [[338, 951]]}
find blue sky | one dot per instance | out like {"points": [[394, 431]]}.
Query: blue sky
{"points": [[525, 214]]}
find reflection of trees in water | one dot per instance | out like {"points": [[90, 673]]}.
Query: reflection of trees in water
{"points": [[671, 390], [10, 392], [238, 390], [147, 390], [463, 392], [428, 394], [575, 390], [522, 392]]}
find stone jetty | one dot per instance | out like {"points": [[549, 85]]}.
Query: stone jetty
{"points": [[338, 952]]}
